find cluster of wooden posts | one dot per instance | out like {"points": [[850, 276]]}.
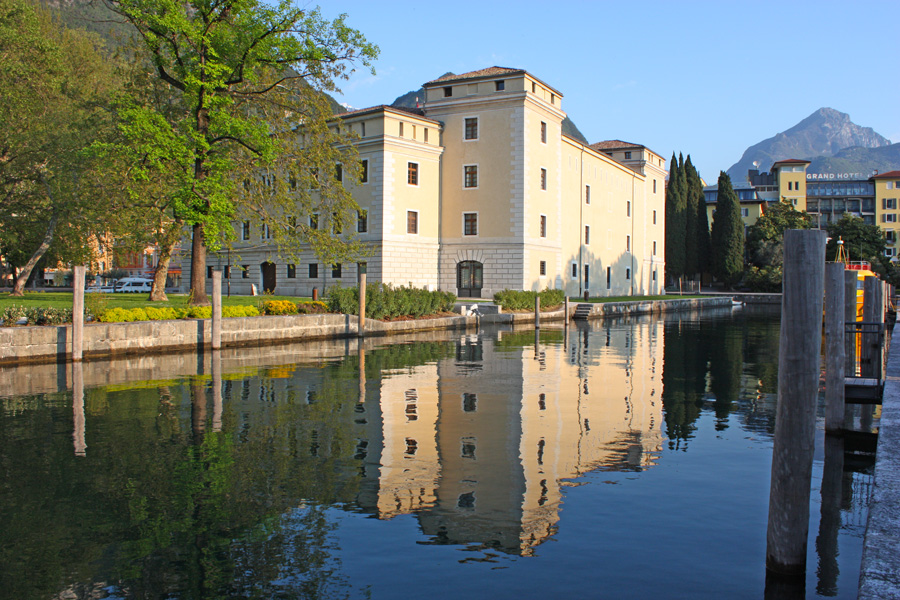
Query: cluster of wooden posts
{"points": [[854, 352]]}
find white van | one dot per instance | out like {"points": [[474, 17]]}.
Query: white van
{"points": [[134, 284]]}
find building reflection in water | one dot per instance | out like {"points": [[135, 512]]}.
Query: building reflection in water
{"points": [[480, 444]]}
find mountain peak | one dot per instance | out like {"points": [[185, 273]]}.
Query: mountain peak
{"points": [[823, 133]]}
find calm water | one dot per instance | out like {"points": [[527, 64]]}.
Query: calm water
{"points": [[623, 459]]}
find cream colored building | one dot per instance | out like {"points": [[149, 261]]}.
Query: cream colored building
{"points": [[480, 191]]}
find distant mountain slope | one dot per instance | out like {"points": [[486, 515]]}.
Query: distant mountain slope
{"points": [[408, 100], [824, 133], [859, 160]]}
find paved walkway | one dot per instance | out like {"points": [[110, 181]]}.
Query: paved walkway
{"points": [[880, 573]]}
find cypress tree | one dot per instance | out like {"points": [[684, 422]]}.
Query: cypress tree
{"points": [[691, 259], [698, 222], [727, 237], [674, 222]]}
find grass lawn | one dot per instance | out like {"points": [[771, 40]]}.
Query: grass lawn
{"points": [[104, 301], [637, 298]]}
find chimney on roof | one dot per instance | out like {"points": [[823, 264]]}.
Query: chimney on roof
{"points": [[417, 102]]}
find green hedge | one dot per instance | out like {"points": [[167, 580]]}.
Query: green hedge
{"points": [[524, 300], [125, 315], [35, 315], [385, 301]]}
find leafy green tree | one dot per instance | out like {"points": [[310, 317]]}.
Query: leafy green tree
{"points": [[727, 237], [675, 221], [765, 244], [861, 241], [53, 86], [252, 133]]}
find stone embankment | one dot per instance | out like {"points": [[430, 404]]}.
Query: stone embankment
{"points": [[54, 343], [880, 572]]}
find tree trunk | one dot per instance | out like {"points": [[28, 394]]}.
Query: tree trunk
{"points": [[198, 268], [19, 287], [158, 291]]}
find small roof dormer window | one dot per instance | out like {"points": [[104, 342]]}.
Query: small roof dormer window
{"points": [[499, 86], [448, 91]]}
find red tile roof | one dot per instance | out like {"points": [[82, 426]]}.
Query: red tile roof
{"points": [[888, 175], [613, 145], [489, 72]]}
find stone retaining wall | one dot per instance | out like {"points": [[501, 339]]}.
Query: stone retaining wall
{"points": [[52, 343]]}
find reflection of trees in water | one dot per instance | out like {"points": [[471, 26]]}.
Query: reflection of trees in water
{"points": [[732, 362]]}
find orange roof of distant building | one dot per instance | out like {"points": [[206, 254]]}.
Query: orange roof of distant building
{"points": [[888, 175], [791, 161]]}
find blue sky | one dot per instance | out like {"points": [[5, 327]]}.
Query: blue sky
{"points": [[704, 78]]}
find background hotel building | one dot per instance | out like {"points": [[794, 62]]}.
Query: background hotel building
{"points": [[825, 196], [480, 191]]}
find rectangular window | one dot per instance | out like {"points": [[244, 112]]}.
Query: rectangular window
{"points": [[543, 268], [533, 88], [543, 226], [587, 235], [425, 138], [245, 230], [364, 172], [890, 251], [889, 185], [627, 273], [336, 271], [362, 221], [543, 132], [470, 176], [471, 128], [336, 225], [226, 272], [412, 173], [745, 212], [470, 223], [628, 208], [587, 277], [608, 277], [628, 156], [499, 86], [362, 129], [891, 218], [339, 172], [654, 247], [654, 186], [245, 272], [266, 232], [448, 91], [314, 270], [209, 272], [543, 179], [292, 271], [574, 270], [314, 221], [627, 243], [654, 217], [889, 203], [587, 194], [890, 235], [412, 221], [401, 128]]}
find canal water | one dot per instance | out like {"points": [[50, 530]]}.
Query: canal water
{"points": [[615, 459]]}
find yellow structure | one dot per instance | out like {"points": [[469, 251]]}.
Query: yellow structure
{"points": [[887, 206], [479, 191]]}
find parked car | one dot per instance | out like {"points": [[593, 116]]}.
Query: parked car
{"points": [[134, 284]]}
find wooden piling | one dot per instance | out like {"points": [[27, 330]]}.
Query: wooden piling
{"points": [[78, 313], [566, 310], [795, 415], [537, 312], [834, 346], [216, 341], [216, 369], [868, 351], [78, 433], [362, 305]]}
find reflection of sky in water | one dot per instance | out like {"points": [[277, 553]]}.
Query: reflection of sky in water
{"points": [[618, 459]]}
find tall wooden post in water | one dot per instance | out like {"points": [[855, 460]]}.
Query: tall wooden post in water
{"points": [[216, 341], [795, 415], [78, 313], [834, 346], [362, 302]]}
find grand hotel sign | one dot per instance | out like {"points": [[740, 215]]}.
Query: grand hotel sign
{"points": [[837, 176]]}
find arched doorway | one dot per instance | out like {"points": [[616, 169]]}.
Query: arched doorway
{"points": [[469, 279], [268, 276]]}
